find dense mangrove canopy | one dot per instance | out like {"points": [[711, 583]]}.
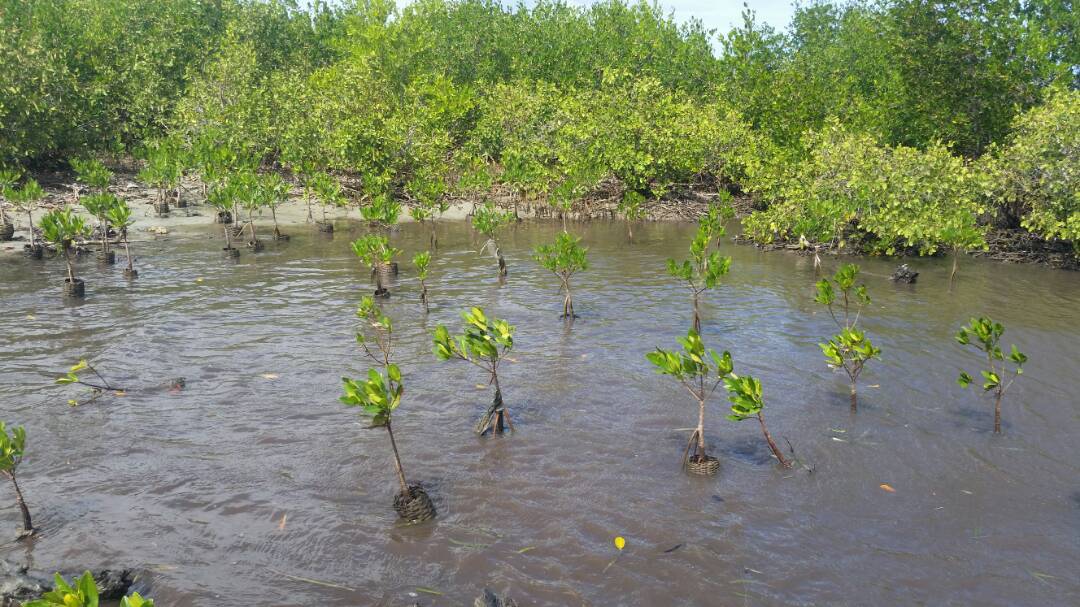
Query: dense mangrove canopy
{"points": [[900, 125]]}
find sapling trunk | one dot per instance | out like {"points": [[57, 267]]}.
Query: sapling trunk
{"points": [[228, 238], [307, 200], [28, 525], [502, 262], [397, 461], [955, 264], [997, 411], [772, 445], [697, 313], [854, 398], [127, 249], [423, 295], [701, 428], [30, 226], [67, 259], [273, 213], [568, 300]]}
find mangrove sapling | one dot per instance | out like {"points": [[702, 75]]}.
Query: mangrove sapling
{"points": [[849, 349], [487, 220], [25, 200], [564, 258], [382, 211], [705, 267], [97, 385], [700, 371], [374, 251], [984, 334], [630, 205], [430, 203], [162, 172], [8, 177], [485, 342], [62, 228], [221, 196], [99, 204], [746, 403], [378, 396], [12, 448], [82, 592], [421, 260], [274, 191], [328, 191], [119, 215]]}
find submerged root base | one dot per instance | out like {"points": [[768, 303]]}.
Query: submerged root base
{"points": [[414, 506]]}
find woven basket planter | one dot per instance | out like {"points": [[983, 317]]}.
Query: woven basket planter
{"points": [[704, 466], [414, 506]]}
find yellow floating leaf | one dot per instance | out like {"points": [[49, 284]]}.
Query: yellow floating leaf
{"points": [[888, 488], [269, 376], [281, 525], [480, 386], [119, 393], [29, 317], [199, 279], [620, 542]]}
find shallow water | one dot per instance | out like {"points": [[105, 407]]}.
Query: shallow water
{"points": [[234, 488]]}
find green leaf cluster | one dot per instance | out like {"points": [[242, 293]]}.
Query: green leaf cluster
{"points": [[487, 219], [695, 362], [377, 395], [484, 338], [984, 334], [12, 447], [61, 226], [374, 249], [564, 257], [745, 396]]}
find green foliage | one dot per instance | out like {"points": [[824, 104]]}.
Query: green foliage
{"points": [[705, 267], [564, 257], [984, 335], [374, 249], [62, 226], [99, 204], [12, 448], [92, 172], [745, 396], [421, 260], [377, 395], [849, 187], [694, 363], [164, 164], [487, 219], [26, 197], [119, 214], [1033, 175], [484, 339], [82, 592], [381, 209], [849, 349]]}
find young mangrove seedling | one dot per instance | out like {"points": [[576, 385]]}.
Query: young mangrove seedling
{"points": [[746, 403], [849, 349], [97, 386], [564, 258], [162, 172], [25, 200], [62, 228], [484, 343], [119, 215], [630, 205], [705, 267], [421, 260], [328, 192], [429, 193], [12, 449], [378, 396], [82, 592], [374, 250], [382, 211], [700, 371], [222, 196], [274, 190], [984, 334], [99, 204], [487, 220]]}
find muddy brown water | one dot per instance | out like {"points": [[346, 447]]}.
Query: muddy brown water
{"points": [[239, 489]]}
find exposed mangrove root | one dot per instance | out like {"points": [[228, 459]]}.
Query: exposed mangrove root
{"points": [[496, 419]]}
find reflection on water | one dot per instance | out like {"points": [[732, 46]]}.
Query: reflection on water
{"points": [[196, 484]]}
